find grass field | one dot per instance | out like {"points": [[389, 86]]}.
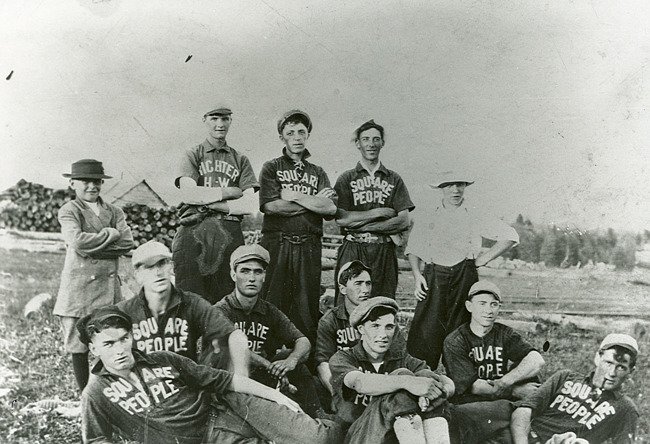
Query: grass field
{"points": [[34, 367]]}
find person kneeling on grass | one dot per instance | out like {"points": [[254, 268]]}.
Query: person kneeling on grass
{"points": [[163, 397], [570, 408], [385, 395]]}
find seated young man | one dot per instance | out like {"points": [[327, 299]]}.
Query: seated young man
{"points": [[163, 397], [168, 318], [334, 329], [573, 408], [486, 359], [268, 330], [383, 394]]}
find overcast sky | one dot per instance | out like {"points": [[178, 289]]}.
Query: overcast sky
{"points": [[543, 103]]}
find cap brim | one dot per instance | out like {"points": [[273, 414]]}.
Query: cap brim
{"points": [[249, 257], [439, 184], [86, 176], [151, 260], [625, 346]]}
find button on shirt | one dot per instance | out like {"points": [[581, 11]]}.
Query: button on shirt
{"points": [[447, 236]]}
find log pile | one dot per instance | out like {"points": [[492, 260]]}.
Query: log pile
{"points": [[148, 223], [32, 207]]}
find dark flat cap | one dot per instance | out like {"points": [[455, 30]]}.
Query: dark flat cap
{"points": [[359, 314]]}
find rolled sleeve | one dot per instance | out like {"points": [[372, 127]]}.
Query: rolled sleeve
{"points": [[497, 230]]}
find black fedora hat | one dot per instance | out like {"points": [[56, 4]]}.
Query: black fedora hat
{"points": [[87, 169]]}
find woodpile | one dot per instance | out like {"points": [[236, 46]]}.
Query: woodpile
{"points": [[32, 207], [148, 223]]}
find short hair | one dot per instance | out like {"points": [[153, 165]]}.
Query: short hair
{"points": [[294, 120], [378, 312], [366, 126], [619, 354], [92, 328], [354, 270]]}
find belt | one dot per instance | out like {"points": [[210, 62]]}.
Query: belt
{"points": [[368, 238], [298, 239]]}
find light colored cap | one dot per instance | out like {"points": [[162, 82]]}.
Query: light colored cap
{"points": [[360, 314], [348, 265], [622, 340], [449, 177], [149, 253], [484, 286], [247, 252], [220, 110]]}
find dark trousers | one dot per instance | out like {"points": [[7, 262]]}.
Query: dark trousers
{"points": [[293, 278], [306, 396], [382, 260], [442, 311], [201, 255], [481, 422]]}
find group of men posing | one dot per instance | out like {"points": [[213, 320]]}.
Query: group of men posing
{"points": [[253, 311]]}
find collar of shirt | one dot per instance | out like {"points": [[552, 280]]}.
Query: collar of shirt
{"points": [[84, 204], [391, 355], [341, 312], [259, 307], [305, 155], [139, 357], [175, 299], [212, 147], [379, 168]]}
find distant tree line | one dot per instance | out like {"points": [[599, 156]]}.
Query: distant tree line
{"points": [[560, 247]]}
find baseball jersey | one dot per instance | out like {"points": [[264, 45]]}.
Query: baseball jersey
{"points": [[187, 318], [568, 402], [212, 166], [174, 407], [351, 404], [468, 357], [266, 327], [357, 190], [335, 333], [302, 176]]}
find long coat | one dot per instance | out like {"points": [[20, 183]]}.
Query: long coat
{"points": [[93, 246]]}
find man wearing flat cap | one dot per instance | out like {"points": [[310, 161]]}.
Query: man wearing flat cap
{"points": [[444, 250], [295, 196], [571, 408], [170, 319], [488, 360], [166, 398], [373, 211], [278, 349], [217, 186], [383, 394], [95, 235]]}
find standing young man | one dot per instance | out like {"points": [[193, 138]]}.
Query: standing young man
{"points": [[268, 329], [486, 359], [165, 398], [585, 409], [382, 393], [217, 186], [95, 235], [167, 318], [373, 209], [447, 240], [295, 196]]}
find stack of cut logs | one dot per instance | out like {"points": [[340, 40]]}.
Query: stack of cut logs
{"points": [[32, 207]]}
